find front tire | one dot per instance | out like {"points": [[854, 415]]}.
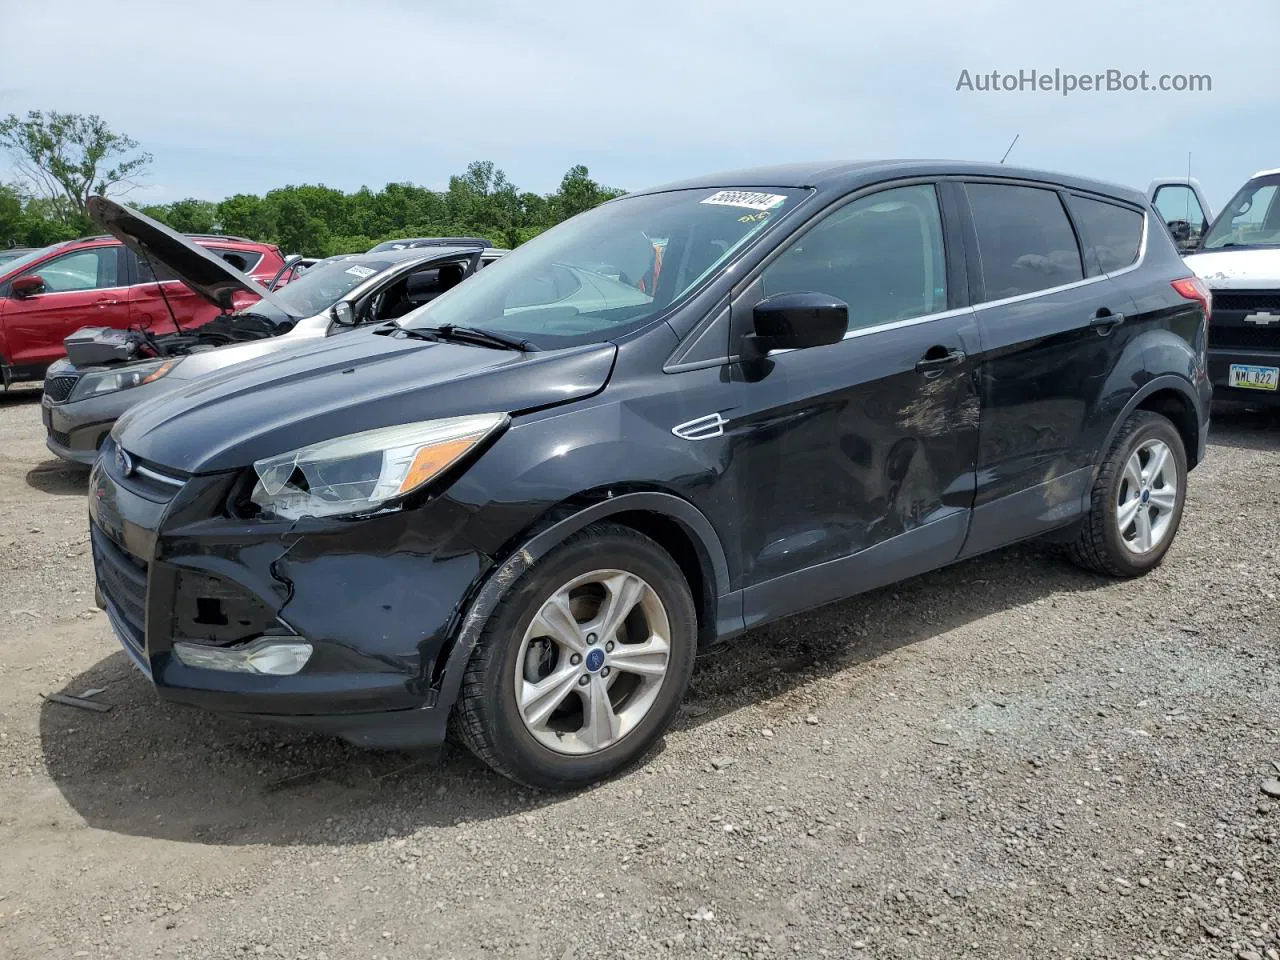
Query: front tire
{"points": [[583, 664], [1137, 499]]}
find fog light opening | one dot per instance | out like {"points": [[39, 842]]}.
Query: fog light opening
{"points": [[268, 656]]}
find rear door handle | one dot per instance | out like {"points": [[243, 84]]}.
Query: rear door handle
{"points": [[1104, 321], [936, 359]]}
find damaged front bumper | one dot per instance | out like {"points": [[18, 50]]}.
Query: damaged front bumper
{"points": [[378, 600]]}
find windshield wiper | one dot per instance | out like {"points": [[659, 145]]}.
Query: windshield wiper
{"points": [[473, 335]]}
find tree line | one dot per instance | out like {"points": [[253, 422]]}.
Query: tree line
{"points": [[62, 159]]}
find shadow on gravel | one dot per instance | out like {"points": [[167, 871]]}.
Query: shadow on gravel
{"points": [[1246, 430], [21, 393], [152, 769], [59, 478]]}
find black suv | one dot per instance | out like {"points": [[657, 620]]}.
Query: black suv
{"points": [[682, 414]]}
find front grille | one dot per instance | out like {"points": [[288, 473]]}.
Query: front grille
{"points": [[60, 438], [1244, 337], [57, 389], [1246, 300], [122, 578]]}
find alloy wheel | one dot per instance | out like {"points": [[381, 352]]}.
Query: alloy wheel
{"points": [[592, 662], [1148, 496]]}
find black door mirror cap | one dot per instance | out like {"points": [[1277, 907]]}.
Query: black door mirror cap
{"points": [[795, 321]]}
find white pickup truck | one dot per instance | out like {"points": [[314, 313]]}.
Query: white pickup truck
{"points": [[1238, 258]]}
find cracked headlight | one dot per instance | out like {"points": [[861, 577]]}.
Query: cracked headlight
{"points": [[365, 471], [111, 381]]}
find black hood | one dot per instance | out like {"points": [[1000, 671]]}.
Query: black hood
{"points": [[207, 274], [344, 384]]}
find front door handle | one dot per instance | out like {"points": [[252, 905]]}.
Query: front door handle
{"points": [[1104, 321], [938, 358]]}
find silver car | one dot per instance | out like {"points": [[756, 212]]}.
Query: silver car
{"points": [[107, 371]]}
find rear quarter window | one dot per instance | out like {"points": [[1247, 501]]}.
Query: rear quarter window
{"points": [[1025, 240], [243, 260], [1111, 234]]}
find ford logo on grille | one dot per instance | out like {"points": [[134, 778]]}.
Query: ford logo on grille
{"points": [[124, 462]]}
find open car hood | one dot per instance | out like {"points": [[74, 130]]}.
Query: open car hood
{"points": [[205, 273]]}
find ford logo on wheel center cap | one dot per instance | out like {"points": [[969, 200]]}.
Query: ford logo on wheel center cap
{"points": [[595, 659]]}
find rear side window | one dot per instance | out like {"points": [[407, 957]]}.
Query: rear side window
{"points": [[1111, 234], [1025, 241]]}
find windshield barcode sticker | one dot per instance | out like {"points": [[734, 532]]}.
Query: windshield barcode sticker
{"points": [[361, 272], [745, 198]]}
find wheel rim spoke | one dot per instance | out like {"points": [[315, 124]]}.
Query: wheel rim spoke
{"points": [[625, 591], [1133, 472], [1164, 499], [647, 659], [1127, 513], [556, 621], [1143, 525], [538, 701], [1159, 457], [600, 724]]}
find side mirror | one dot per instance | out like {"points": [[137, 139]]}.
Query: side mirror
{"points": [[342, 314], [795, 321], [28, 286]]}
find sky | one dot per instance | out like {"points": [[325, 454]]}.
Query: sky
{"points": [[242, 98]]}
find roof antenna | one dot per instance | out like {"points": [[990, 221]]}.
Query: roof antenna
{"points": [[1010, 150]]}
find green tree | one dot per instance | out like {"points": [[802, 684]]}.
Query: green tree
{"points": [[65, 158]]}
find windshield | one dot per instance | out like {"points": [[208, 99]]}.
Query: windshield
{"points": [[1251, 219], [609, 270], [15, 267], [319, 288]]}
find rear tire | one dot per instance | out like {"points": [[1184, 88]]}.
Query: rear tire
{"points": [[1137, 500], [583, 664]]}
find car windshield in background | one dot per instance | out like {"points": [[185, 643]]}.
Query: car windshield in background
{"points": [[15, 266], [609, 270], [1251, 219], [320, 287]]}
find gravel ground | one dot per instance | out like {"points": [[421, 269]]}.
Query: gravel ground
{"points": [[1009, 758]]}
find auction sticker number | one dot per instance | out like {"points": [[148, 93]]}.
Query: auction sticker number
{"points": [[1249, 377], [745, 198], [361, 272]]}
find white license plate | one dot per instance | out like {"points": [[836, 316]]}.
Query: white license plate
{"points": [[1249, 377]]}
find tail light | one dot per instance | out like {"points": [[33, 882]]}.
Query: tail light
{"points": [[1192, 288]]}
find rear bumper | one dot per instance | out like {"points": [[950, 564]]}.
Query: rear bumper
{"points": [[1220, 361]]}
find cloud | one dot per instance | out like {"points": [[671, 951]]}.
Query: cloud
{"points": [[352, 94]]}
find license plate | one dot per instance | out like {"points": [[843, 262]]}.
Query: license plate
{"points": [[47, 416], [1249, 377]]}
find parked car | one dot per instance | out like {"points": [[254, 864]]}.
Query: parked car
{"points": [[526, 518], [107, 371], [13, 253], [409, 242], [1239, 261], [49, 294], [1183, 209]]}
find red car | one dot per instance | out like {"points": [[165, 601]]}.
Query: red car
{"points": [[51, 293]]}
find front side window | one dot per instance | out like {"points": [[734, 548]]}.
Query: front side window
{"points": [[1025, 241], [93, 269], [1112, 234], [882, 254], [612, 269], [1251, 219]]}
